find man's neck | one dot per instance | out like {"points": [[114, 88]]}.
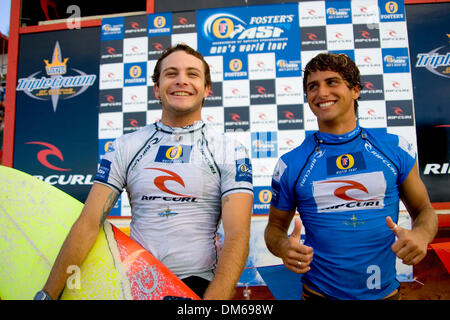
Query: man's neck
{"points": [[338, 129], [178, 122]]}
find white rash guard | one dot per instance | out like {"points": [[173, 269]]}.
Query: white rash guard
{"points": [[175, 179]]}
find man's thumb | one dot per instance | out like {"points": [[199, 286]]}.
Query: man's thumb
{"points": [[393, 226], [297, 228]]}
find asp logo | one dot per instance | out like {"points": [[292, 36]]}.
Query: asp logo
{"points": [[49, 150], [222, 26]]}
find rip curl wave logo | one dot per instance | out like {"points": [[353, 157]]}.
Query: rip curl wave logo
{"points": [[349, 185], [160, 181], [50, 150], [61, 82]]}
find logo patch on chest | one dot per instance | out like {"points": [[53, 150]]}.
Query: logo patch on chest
{"points": [[351, 192], [345, 163], [174, 154]]}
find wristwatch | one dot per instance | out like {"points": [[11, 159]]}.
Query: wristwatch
{"points": [[42, 295]]}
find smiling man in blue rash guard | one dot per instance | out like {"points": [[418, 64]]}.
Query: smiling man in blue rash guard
{"points": [[346, 182]]}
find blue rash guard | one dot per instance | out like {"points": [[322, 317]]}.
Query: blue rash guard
{"points": [[344, 187]]}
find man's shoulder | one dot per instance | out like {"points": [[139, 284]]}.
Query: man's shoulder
{"points": [[300, 152], [380, 134], [390, 142], [132, 141]]}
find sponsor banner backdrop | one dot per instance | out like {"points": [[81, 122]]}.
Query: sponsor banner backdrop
{"points": [[56, 127], [430, 68], [256, 56]]}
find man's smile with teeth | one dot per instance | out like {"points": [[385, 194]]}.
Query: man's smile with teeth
{"points": [[325, 104], [181, 93]]}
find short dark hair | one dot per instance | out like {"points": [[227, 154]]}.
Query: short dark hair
{"points": [[188, 50], [337, 62]]}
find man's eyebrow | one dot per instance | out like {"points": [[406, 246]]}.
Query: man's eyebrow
{"points": [[176, 69], [327, 79]]}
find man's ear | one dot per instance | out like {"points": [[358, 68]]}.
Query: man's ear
{"points": [[207, 89], [156, 91], [356, 92]]}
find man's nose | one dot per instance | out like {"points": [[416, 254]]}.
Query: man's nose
{"points": [[181, 79], [323, 90]]}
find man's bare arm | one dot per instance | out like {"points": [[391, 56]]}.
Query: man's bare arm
{"points": [[81, 237], [411, 245], [296, 256], [236, 216]]}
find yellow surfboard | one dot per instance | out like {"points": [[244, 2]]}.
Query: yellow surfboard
{"points": [[35, 219]]}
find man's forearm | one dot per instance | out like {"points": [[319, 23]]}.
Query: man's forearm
{"points": [[426, 222], [274, 237], [73, 252], [82, 236], [230, 265]]}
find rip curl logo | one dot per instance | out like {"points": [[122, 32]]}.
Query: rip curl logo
{"points": [[341, 192], [51, 150], [160, 181], [355, 192]]}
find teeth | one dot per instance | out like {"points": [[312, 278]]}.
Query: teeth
{"points": [[326, 104], [180, 93]]}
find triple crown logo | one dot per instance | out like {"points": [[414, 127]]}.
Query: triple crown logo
{"points": [[61, 82]]}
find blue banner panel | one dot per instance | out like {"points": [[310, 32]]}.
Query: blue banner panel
{"points": [[56, 128], [234, 32], [430, 70]]}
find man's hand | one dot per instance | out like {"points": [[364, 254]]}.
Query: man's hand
{"points": [[411, 245], [296, 256]]}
